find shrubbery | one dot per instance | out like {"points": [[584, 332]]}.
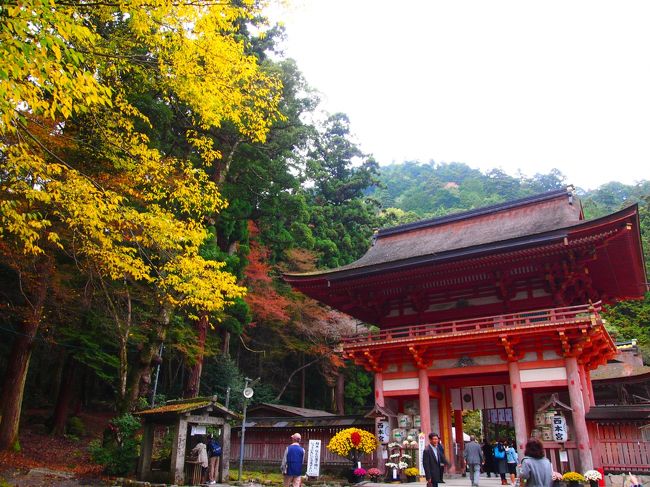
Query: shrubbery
{"points": [[120, 448]]}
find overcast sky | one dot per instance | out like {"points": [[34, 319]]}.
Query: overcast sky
{"points": [[510, 84]]}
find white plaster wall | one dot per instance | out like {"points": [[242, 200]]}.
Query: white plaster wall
{"points": [[401, 384], [535, 375]]}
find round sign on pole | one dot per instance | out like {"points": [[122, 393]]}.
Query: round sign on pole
{"points": [[248, 392]]}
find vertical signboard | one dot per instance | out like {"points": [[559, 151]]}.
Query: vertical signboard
{"points": [[313, 459], [422, 444]]}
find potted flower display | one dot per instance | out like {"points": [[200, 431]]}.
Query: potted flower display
{"points": [[352, 443], [359, 474], [374, 474], [573, 478], [397, 462], [394, 470], [411, 474], [593, 476]]}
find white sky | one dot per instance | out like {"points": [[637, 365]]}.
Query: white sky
{"points": [[510, 84]]}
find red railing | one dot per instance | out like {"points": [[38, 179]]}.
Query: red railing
{"points": [[567, 315]]}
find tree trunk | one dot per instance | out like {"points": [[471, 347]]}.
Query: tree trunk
{"points": [[64, 396], [340, 393], [140, 378], [21, 353], [193, 383], [226, 343], [14, 384], [140, 382]]}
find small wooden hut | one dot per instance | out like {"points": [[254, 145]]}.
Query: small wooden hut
{"points": [[170, 433]]}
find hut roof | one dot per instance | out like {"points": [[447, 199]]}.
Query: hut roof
{"points": [[182, 406], [308, 422], [619, 412], [272, 409]]}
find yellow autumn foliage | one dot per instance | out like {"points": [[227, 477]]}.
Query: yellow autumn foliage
{"points": [[127, 209]]}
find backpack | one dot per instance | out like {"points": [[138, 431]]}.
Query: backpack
{"points": [[214, 449], [499, 452]]}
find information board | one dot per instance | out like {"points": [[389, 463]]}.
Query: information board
{"points": [[313, 459]]}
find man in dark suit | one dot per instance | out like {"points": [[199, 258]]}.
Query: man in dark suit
{"points": [[432, 459]]}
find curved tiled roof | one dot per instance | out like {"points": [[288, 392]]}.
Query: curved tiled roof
{"points": [[508, 221]]}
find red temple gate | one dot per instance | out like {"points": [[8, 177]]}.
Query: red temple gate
{"points": [[508, 295]]}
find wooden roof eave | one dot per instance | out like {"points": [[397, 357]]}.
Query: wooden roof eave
{"points": [[324, 278]]}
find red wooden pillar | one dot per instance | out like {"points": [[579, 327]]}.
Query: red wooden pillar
{"points": [[590, 386], [444, 407], [425, 405], [583, 386], [379, 401], [458, 426], [518, 409], [379, 389], [578, 406]]}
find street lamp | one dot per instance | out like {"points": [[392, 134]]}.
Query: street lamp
{"points": [[248, 393]]}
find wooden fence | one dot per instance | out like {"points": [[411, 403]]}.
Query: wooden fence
{"points": [[622, 447], [556, 454], [267, 445]]}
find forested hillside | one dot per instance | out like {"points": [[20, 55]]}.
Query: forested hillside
{"points": [[148, 209], [424, 190]]}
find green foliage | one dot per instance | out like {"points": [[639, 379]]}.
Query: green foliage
{"points": [[437, 189], [119, 450], [342, 218], [631, 320], [358, 390], [472, 422], [75, 427]]}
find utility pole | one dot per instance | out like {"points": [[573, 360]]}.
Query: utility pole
{"points": [[155, 382], [248, 393]]}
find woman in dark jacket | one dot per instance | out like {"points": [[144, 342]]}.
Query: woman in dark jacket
{"points": [[488, 455], [500, 461]]}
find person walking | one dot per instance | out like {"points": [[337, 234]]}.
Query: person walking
{"points": [[432, 459], [536, 469], [500, 461], [292, 460], [473, 456], [512, 458], [488, 458], [214, 454]]}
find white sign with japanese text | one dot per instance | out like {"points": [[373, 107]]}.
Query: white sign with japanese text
{"points": [[383, 430], [313, 459], [560, 432]]}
